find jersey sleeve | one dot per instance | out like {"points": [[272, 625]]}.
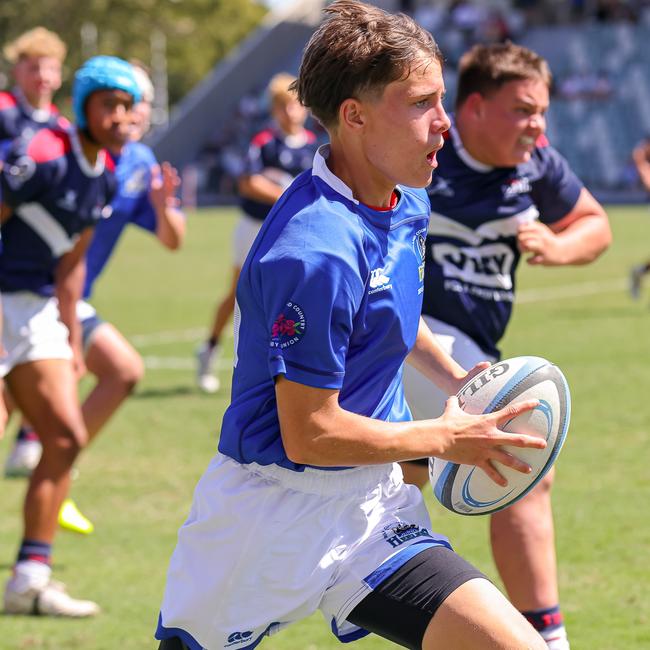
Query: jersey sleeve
{"points": [[558, 189], [22, 179], [144, 215], [309, 310]]}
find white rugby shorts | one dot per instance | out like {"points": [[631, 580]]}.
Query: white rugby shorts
{"points": [[264, 546], [31, 330], [243, 237], [424, 398]]}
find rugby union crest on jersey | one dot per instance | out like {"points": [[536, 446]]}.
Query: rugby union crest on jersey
{"points": [[289, 326], [419, 248]]}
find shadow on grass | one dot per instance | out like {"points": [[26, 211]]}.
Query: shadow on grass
{"points": [[168, 391]]}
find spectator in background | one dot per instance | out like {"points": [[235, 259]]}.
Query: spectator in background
{"points": [[641, 157], [275, 157]]}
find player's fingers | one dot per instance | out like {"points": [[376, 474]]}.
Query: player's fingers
{"points": [[513, 410], [535, 260], [510, 460], [493, 473]]}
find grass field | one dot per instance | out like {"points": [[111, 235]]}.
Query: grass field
{"points": [[137, 480]]}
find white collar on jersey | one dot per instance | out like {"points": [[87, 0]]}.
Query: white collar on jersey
{"points": [[323, 172], [82, 161], [471, 162]]}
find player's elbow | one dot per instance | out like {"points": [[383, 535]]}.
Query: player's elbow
{"points": [[303, 444]]}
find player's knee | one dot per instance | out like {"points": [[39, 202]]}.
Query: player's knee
{"points": [[65, 442], [127, 372]]}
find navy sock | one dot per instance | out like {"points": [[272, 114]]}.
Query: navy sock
{"points": [[545, 620], [26, 433], [35, 551], [213, 341]]}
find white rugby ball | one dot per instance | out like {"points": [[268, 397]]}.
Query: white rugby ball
{"points": [[468, 490]]}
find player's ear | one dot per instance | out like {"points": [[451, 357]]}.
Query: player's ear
{"points": [[351, 113]]}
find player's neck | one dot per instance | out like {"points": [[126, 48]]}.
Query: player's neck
{"points": [[37, 101], [472, 143], [367, 184], [89, 148]]}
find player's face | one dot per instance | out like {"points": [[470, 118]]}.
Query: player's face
{"points": [[39, 77], [290, 115], [109, 115], [404, 127], [141, 120], [512, 118]]}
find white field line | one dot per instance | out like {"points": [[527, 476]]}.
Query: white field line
{"points": [[527, 296], [180, 363]]}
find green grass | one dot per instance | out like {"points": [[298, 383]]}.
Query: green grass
{"points": [[136, 482]]}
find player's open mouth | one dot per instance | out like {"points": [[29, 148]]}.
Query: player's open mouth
{"points": [[431, 157]]}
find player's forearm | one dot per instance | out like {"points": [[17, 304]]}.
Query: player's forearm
{"points": [[433, 362], [170, 226], [258, 188], [584, 240], [346, 439]]}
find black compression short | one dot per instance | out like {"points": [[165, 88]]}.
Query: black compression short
{"points": [[401, 607]]}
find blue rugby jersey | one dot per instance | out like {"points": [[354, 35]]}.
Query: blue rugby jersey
{"points": [[55, 194], [278, 155], [471, 248], [19, 119], [330, 296], [130, 204]]}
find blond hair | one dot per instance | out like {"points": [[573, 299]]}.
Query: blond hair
{"points": [[279, 88], [36, 42]]}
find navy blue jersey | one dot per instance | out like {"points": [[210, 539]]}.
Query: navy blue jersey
{"points": [[20, 120], [471, 251], [130, 204], [330, 296], [55, 195], [280, 158]]}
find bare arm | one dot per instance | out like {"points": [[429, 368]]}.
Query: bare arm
{"points": [[436, 365], [579, 238], [170, 220], [317, 431], [69, 280], [259, 188], [641, 157]]}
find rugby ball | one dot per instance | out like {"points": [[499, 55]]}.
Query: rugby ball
{"points": [[466, 489]]}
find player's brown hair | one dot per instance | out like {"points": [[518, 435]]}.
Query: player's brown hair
{"points": [[485, 68], [356, 52], [36, 42]]}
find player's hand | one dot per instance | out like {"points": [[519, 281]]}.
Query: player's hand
{"points": [[541, 242], [478, 439], [458, 383], [78, 362], [165, 182]]}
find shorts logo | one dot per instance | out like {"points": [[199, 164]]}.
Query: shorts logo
{"points": [[238, 637], [398, 534], [289, 326]]}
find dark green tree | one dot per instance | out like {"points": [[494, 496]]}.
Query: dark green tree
{"points": [[198, 33]]}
